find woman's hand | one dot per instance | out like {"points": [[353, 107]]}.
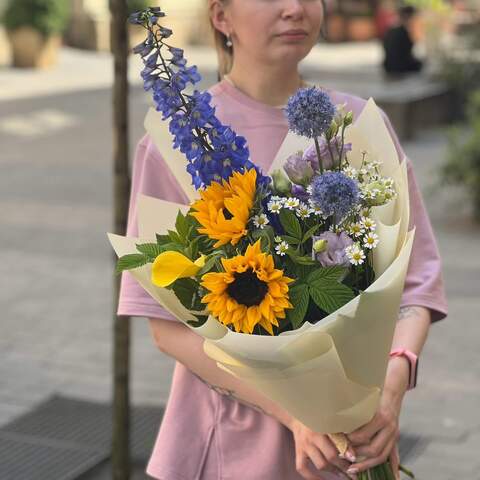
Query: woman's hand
{"points": [[319, 450], [376, 441]]}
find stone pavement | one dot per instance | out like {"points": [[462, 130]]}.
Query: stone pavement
{"points": [[55, 207]]}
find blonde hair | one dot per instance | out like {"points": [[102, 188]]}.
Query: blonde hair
{"points": [[224, 53]]}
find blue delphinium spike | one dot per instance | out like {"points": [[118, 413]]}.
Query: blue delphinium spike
{"points": [[213, 150]]}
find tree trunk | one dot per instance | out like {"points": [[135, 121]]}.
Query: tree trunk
{"points": [[121, 190]]}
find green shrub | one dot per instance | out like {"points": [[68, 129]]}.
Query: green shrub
{"points": [[463, 162], [46, 16]]}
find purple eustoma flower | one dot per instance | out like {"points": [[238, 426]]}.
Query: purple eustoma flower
{"points": [[334, 252], [311, 156], [299, 170]]}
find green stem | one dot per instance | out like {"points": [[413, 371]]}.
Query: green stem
{"points": [[317, 147], [406, 471], [341, 150]]}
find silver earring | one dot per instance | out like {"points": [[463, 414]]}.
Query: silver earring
{"points": [[229, 43]]}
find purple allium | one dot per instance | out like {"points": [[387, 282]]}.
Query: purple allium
{"points": [[299, 171], [310, 154], [334, 253], [335, 194], [310, 112]]}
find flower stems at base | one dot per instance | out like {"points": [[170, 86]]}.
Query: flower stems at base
{"points": [[382, 472]]}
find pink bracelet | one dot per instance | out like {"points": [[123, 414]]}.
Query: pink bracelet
{"points": [[412, 364]]}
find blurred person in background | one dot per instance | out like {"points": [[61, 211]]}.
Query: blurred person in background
{"points": [[398, 45]]}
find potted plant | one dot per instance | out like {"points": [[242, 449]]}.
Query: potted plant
{"points": [[361, 27], [34, 30]]}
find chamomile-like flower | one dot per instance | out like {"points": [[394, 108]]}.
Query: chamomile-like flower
{"points": [[368, 223], [350, 172], [371, 240], [355, 254], [303, 211], [260, 221], [274, 205], [357, 229], [282, 248], [292, 203]]}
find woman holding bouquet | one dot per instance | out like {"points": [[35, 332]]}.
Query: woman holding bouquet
{"points": [[215, 426]]}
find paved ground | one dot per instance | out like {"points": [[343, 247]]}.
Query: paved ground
{"points": [[55, 207]]}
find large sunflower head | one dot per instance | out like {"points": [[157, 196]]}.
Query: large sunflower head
{"points": [[250, 292], [224, 208]]}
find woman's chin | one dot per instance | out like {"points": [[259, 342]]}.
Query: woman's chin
{"points": [[292, 53]]}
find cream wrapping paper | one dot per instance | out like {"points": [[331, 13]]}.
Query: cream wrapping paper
{"points": [[328, 375]]}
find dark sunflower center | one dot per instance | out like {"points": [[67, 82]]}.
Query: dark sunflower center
{"points": [[247, 289], [227, 214]]}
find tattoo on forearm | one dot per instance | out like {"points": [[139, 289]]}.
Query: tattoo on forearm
{"points": [[230, 394], [409, 311]]}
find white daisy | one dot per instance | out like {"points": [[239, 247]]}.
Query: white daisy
{"points": [[364, 212], [275, 205], [310, 189], [260, 221], [371, 241], [357, 229], [316, 210], [282, 248], [292, 203], [350, 172], [355, 254], [303, 210], [368, 223]]}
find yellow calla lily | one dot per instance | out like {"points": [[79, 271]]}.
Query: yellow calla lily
{"points": [[170, 266]]}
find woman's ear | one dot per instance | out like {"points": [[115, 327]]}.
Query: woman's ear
{"points": [[219, 18]]}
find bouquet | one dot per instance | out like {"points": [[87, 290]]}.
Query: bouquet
{"points": [[293, 277]]}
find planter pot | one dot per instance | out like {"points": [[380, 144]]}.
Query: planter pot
{"points": [[30, 49], [361, 29], [336, 28]]}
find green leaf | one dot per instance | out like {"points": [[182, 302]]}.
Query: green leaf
{"points": [[132, 260], [182, 226], [161, 239], [208, 265], [290, 240], [290, 223], [301, 260], [175, 237], [299, 298], [310, 233], [186, 290], [152, 250], [330, 296], [330, 274]]}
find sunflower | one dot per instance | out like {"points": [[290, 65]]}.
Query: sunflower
{"points": [[250, 292], [224, 208]]}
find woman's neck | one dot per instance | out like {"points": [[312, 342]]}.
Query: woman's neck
{"points": [[268, 86]]}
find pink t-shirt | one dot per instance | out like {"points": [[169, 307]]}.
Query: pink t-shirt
{"points": [[207, 436]]}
